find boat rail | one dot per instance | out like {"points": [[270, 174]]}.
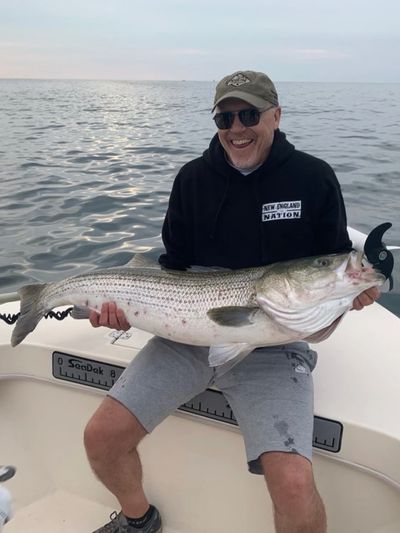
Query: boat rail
{"points": [[9, 297]]}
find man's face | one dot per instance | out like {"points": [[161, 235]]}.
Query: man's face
{"points": [[248, 147]]}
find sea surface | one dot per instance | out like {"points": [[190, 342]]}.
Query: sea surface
{"points": [[86, 166]]}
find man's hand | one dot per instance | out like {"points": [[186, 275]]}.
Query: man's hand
{"points": [[367, 297], [110, 317]]}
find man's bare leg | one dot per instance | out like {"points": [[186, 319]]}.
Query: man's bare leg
{"points": [[298, 506], [111, 438]]}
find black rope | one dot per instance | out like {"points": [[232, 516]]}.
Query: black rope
{"points": [[58, 315], [9, 319]]}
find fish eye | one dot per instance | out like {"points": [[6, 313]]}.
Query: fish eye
{"points": [[323, 262]]}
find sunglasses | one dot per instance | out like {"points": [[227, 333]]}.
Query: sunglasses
{"points": [[248, 117]]}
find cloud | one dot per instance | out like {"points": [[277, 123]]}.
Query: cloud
{"points": [[318, 53], [175, 51], [14, 44], [337, 40]]}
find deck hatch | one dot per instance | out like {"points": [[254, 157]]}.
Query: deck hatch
{"points": [[209, 404]]}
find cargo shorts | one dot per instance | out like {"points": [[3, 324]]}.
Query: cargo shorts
{"points": [[270, 392]]}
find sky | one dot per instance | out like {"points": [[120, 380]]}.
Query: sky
{"points": [[290, 40]]}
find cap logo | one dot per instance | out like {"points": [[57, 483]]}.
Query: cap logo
{"points": [[238, 79]]}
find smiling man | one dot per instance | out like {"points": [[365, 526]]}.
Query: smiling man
{"points": [[246, 147], [251, 199]]}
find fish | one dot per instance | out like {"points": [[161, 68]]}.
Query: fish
{"points": [[230, 311]]}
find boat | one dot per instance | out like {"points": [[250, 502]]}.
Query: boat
{"points": [[194, 463]]}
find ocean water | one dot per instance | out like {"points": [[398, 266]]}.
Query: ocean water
{"points": [[87, 166]]}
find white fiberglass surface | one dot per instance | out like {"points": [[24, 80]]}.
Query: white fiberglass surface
{"points": [[192, 470]]}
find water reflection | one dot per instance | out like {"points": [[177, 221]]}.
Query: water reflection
{"points": [[87, 166]]}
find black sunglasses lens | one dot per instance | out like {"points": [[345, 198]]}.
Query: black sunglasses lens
{"points": [[224, 121], [249, 117]]}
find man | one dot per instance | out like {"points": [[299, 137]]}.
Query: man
{"points": [[250, 200]]}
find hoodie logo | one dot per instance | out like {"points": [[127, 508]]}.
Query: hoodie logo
{"points": [[286, 210]]}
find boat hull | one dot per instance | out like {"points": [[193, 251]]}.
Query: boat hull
{"points": [[195, 466]]}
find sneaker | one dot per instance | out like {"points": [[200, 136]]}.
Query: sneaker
{"points": [[119, 524]]}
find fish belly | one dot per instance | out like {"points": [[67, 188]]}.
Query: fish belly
{"points": [[201, 331]]}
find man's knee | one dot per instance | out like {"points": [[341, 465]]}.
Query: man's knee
{"points": [[290, 481], [112, 430]]}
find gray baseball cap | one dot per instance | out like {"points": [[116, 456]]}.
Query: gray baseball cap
{"points": [[253, 87]]}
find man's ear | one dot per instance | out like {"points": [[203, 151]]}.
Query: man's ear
{"points": [[277, 116]]}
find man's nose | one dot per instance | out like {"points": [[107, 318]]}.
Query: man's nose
{"points": [[237, 124]]}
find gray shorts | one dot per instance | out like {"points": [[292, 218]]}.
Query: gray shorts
{"points": [[270, 392]]}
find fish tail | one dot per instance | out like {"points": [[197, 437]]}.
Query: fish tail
{"points": [[32, 309]]}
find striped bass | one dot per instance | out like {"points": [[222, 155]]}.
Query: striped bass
{"points": [[231, 311]]}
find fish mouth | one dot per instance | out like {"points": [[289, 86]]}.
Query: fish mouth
{"points": [[356, 268]]}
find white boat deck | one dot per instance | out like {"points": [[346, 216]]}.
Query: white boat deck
{"points": [[60, 511], [194, 468]]}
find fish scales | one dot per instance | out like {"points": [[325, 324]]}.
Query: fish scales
{"points": [[232, 311], [180, 292]]}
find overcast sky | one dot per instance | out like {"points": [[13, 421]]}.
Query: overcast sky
{"points": [[291, 40]]}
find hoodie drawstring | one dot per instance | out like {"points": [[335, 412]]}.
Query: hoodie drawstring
{"points": [[221, 204]]}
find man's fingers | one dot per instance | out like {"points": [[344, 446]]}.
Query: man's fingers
{"points": [[113, 321], [357, 305], [367, 297], [123, 323], [103, 318], [374, 292], [110, 317], [94, 319]]}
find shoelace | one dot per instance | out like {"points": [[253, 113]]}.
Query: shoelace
{"points": [[109, 528]]}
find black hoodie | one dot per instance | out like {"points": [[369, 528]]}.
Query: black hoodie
{"points": [[290, 207]]}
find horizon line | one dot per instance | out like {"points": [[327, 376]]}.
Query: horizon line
{"points": [[181, 80]]}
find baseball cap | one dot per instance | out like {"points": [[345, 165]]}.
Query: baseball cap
{"points": [[253, 87]]}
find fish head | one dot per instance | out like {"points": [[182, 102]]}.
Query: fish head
{"points": [[292, 290]]}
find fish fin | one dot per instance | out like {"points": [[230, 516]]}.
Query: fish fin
{"points": [[226, 356], [31, 311], [142, 261], [79, 312], [234, 316]]}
